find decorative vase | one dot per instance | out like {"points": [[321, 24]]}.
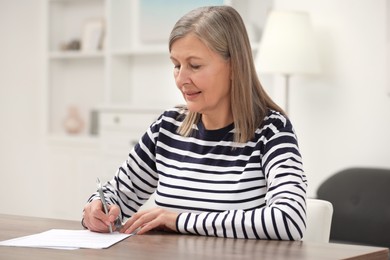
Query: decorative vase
{"points": [[73, 122]]}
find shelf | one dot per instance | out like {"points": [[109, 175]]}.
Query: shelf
{"points": [[74, 140], [158, 49], [129, 108], [75, 55], [70, 1]]}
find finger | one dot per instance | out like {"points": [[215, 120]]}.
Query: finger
{"points": [[129, 223], [94, 224], [133, 218], [98, 226], [114, 217], [164, 220], [149, 226], [113, 212], [98, 213], [98, 221], [88, 215], [138, 220]]}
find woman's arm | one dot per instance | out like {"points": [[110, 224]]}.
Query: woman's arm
{"points": [[132, 185], [283, 216]]}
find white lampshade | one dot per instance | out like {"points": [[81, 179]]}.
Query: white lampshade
{"points": [[288, 45]]}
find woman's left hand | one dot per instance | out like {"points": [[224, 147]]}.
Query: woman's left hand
{"points": [[149, 219]]}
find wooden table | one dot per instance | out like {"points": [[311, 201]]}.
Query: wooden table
{"points": [[175, 246]]}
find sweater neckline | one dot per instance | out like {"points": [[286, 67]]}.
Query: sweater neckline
{"points": [[215, 134]]}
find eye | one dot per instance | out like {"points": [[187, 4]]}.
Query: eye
{"points": [[194, 66]]}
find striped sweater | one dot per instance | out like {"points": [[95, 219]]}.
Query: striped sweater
{"points": [[254, 190]]}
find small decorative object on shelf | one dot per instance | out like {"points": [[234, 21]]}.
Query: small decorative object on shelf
{"points": [[73, 45], [93, 35], [73, 122], [94, 122]]}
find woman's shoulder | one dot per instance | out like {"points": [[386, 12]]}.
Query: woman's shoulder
{"points": [[276, 122], [174, 115], [275, 117]]}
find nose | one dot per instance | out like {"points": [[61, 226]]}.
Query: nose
{"points": [[182, 76]]}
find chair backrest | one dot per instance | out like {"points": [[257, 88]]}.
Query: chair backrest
{"points": [[361, 201], [319, 220]]}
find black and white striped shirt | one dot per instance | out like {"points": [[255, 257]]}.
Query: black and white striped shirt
{"points": [[247, 190]]}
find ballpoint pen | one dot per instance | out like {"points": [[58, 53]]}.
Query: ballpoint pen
{"points": [[99, 187]]}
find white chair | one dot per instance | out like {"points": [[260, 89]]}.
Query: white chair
{"points": [[319, 220]]}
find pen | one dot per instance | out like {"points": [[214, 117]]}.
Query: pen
{"points": [[99, 186]]}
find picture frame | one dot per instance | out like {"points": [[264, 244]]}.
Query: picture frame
{"points": [[157, 17], [93, 35]]}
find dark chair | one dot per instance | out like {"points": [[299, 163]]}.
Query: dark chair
{"points": [[361, 203]]}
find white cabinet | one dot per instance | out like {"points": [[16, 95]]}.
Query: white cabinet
{"points": [[120, 129]]}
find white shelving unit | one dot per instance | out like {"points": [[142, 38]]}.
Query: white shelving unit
{"points": [[126, 84], [125, 72], [73, 77]]}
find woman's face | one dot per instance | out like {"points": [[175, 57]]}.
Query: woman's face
{"points": [[202, 76]]}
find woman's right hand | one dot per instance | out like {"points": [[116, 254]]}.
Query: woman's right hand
{"points": [[96, 220]]}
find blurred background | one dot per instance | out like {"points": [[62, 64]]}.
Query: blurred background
{"points": [[81, 80]]}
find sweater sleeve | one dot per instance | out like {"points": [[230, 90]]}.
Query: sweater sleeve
{"points": [[136, 179], [284, 215]]}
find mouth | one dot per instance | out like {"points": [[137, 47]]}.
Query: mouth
{"points": [[191, 94]]}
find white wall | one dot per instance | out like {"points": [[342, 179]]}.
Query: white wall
{"points": [[342, 117], [22, 150], [21, 138]]}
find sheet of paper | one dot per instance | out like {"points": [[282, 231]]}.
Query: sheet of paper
{"points": [[67, 239]]}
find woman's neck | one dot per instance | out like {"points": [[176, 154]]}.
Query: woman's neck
{"points": [[213, 122]]}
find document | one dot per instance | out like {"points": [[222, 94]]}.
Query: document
{"points": [[67, 239]]}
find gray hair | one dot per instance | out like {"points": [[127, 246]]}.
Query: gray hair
{"points": [[222, 29]]}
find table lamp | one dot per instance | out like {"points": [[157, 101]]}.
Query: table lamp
{"points": [[287, 47]]}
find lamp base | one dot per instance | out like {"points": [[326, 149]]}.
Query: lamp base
{"points": [[286, 91]]}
